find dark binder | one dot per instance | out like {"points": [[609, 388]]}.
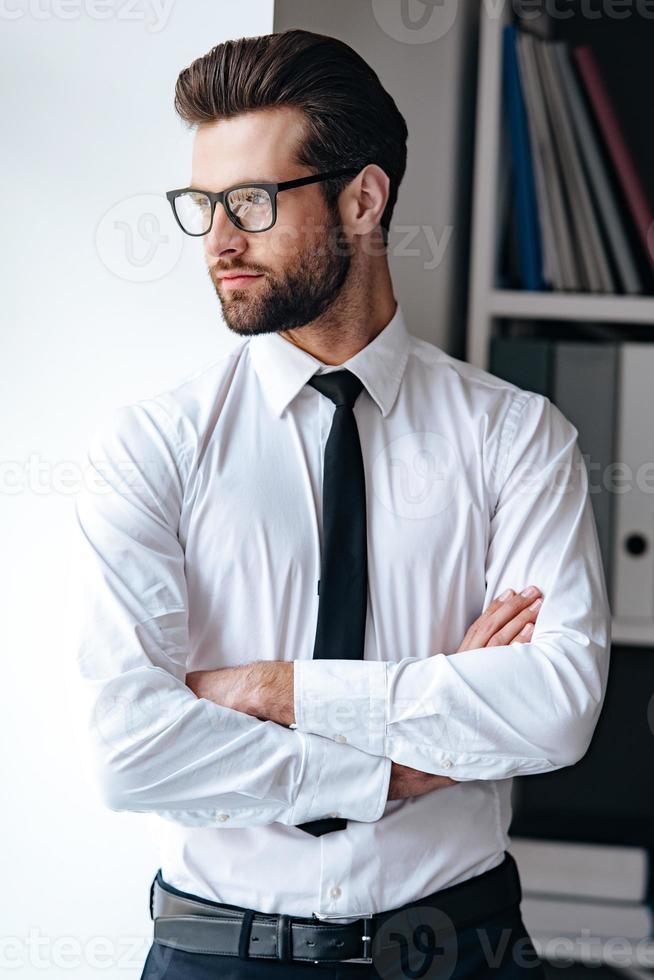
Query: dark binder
{"points": [[585, 386], [581, 380], [524, 361]]}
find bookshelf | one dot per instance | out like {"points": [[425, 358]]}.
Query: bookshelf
{"points": [[488, 304], [567, 306], [574, 796]]}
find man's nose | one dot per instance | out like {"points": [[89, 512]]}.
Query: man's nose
{"points": [[224, 236]]}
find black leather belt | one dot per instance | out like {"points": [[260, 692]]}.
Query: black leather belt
{"points": [[197, 925]]}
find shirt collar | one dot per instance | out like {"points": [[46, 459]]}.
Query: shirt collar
{"points": [[284, 369]]}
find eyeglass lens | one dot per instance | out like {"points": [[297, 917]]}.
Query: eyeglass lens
{"points": [[252, 206]]}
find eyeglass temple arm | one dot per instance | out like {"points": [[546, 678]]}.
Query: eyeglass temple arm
{"points": [[299, 181]]}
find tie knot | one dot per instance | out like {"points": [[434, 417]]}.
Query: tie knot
{"points": [[342, 387]]}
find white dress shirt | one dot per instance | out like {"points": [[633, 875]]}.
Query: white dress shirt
{"points": [[198, 546]]}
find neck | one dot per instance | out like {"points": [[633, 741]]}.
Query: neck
{"points": [[350, 323]]}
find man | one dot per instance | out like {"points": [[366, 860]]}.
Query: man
{"points": [[283, 556]]}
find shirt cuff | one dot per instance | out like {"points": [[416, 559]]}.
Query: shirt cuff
{"points": [[344, 700], [339, 781]]}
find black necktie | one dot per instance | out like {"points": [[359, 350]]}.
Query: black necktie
{"points": [[343, 586]]}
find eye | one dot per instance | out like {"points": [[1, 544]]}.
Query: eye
{"points": [[199, 200], [248, 197]]}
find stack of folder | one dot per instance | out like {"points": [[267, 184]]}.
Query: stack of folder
{"points": [[587, 900], [583, 210]]}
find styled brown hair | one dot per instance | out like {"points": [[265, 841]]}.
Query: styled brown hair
{"points": [[350, 118]]}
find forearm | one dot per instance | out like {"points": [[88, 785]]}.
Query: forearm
{"points": [[262, 688], [193, 761], [478, 714]]}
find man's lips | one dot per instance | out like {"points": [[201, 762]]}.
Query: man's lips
{"points": [[238, 281], [239, 275]]}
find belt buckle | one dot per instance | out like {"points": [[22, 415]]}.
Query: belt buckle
{"points": [[367, 943]]}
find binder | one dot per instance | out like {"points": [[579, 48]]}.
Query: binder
{"points": [[528, 227], [581, 379], [524, 361], [633, 572], [585, 382], [598, 175]]}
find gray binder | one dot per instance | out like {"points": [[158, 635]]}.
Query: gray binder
{"points": [[634, 509], [581, 379], [585, 381]]}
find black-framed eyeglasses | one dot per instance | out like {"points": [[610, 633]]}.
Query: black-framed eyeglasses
{"points": [[251, 207]]}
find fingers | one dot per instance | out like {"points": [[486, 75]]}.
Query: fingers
{"points": [[499, 615], [504, 620], [518, 620], [507, 617], [524, 636]]}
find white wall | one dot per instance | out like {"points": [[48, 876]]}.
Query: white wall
{"points": [[425, 55], [95, 315]]}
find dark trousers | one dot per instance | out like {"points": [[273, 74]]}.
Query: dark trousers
{"points": [[498, 947]]}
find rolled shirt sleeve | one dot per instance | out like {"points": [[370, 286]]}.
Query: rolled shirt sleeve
{"points": [[154, 745], [500, 711]]}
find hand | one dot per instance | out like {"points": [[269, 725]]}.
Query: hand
{"points": [[413, 782], [503, 622]]}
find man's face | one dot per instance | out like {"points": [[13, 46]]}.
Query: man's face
{"points": [[303, 261]]}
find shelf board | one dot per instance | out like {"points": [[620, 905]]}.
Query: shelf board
{"points": [[571, 306], [630, 958]]}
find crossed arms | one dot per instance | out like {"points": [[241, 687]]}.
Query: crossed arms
{"points": [[198, 754]]}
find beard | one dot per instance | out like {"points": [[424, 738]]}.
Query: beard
{"points": [[301, 295]]}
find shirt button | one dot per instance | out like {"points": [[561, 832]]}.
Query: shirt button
{"points": [[340, 738], [447, 763], [223, 816], [333, 814], [335, 892]]}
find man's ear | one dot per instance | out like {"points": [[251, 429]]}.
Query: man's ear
{"points": [[364, 200]]}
